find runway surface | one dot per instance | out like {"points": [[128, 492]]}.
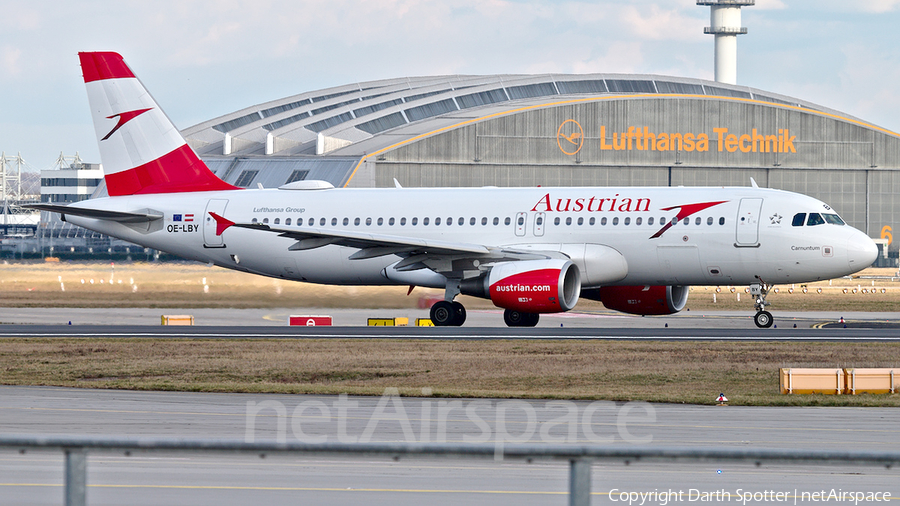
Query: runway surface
{"points": [[351, 323], [188, 478]]}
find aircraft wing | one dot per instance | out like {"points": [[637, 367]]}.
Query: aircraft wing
{"points": [[120, 216], [372, 245]]}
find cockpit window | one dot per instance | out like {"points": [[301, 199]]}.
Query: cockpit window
{"points": [[833, 219], [815, 219], [799, 218]]}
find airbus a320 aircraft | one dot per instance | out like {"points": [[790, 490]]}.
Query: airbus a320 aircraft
{"points": [[528, 250]]}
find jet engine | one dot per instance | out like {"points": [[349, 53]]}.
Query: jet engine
{"points": [[640, 300], [530, 286]]}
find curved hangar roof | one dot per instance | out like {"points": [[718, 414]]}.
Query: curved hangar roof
{"points": [[324, 134]]}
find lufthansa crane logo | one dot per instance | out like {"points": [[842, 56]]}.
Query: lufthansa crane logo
{"points": [[570, 137]]}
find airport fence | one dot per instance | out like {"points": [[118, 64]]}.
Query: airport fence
{"points": [[580, 457]]}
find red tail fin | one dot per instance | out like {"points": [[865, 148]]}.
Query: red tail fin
{"points": [[141, 150]]}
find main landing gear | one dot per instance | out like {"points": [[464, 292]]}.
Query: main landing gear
{"points": [[519, 319], [447, 313], [763, 319]]}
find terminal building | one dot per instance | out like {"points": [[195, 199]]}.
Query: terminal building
{"points": [[560, 130]]}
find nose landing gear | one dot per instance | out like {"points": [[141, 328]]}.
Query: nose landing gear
{"points": [[763, 319]]}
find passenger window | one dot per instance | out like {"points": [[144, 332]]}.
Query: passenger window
{"points": [[581, 221], [799, 218], [616, 220], [321, 222], [814, 219], [650, 220], [380, 221], [496, 221], [592, 221], [449, 221], [288, 221], [368, 222], [402, 221], [472, 220], [556, 220], [483, 221], [505, 222], [391, 222], [521, 221], [687, 221], [333, 222], [627, 221], [312, 221], [709, 221], [539, 220], [254, 220], [569, 220], [697, 221], [462, 221], [265, 220], [277, 221], [437, 221], [414, 221], [424, 221], [346, 221], [662, 221], [356, 221], [603, 221], [637, 221], [721, 220]]}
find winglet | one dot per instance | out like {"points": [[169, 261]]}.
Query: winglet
{"points": [[222, 223]]}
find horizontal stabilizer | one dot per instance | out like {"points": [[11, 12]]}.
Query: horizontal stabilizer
{"points": [[99, 214]]}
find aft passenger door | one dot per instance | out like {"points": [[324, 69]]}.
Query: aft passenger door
{"points": [[747, 234], [210, 239]]}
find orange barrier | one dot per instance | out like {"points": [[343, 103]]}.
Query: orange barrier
{"points": [[812, 381], [870, 381], [838, 381], [177, 319]]}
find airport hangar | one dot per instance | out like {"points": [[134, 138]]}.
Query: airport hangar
{"points": [[561, 130]]}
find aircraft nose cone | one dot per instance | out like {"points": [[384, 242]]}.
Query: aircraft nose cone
{"points": [[861, 251]]}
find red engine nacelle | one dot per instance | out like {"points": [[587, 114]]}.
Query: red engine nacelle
{"points": [[641, 300], [531, 286]]}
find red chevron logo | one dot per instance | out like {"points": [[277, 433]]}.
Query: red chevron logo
{"points": [[124, 117], [685, 211]]}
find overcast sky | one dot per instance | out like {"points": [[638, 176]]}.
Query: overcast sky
{"points": [[203, 59]]}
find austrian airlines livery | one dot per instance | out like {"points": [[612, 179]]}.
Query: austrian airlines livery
{"points": [[528, 250]]}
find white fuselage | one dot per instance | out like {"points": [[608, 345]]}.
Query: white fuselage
{"points": [[742, 236]]}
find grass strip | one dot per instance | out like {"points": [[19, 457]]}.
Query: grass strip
{"points": [[663, 371]]}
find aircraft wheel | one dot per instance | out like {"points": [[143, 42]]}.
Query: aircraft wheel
{"points": [[763, 319], [459, 314], [520, 319], [443, 314]]}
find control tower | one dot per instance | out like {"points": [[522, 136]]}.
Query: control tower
{"points": [[725, 24]]}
